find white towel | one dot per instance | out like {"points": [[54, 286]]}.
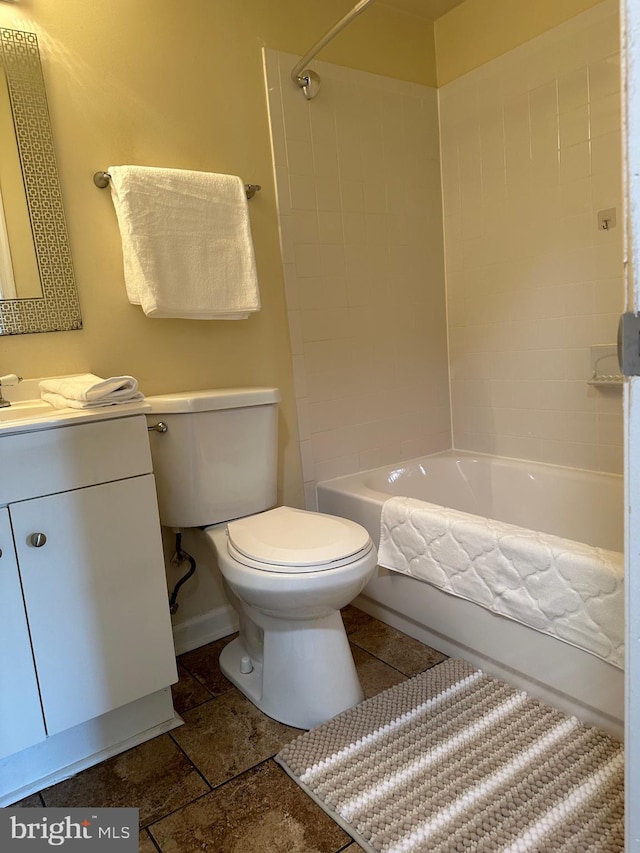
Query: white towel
{"points": [[88, 391], [186, 243]]}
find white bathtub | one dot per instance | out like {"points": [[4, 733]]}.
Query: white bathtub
{"points": [[578, 505]]}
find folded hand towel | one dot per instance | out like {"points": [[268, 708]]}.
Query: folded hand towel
{"points": [[186, 243], [86, 391]]}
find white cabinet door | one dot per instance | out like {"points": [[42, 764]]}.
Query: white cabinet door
{"points": [[21, 723], [96, 598]]}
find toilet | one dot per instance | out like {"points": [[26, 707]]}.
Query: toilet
{"points": [[287, 572]]}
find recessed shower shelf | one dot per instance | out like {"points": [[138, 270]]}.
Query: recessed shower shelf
{"points": [[608, 381], [605, 367]]}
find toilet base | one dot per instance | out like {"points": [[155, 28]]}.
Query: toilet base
{"points": [[306, 676]]}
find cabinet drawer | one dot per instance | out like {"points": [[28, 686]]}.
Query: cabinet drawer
{"points": [[71, 457]]}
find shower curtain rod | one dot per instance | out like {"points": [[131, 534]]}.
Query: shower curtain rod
{"points": [[308, 80]]}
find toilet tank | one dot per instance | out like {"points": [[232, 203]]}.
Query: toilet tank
{"points": [[218, 458]]}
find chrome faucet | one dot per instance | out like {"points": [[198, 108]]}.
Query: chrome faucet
{"points": [[8, 380]]}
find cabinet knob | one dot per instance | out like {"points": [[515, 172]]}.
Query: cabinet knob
{"points": [[0, 552], [37, 539]]}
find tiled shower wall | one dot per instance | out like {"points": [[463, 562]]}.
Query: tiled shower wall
{"points": [[359, 198], [530, 153]]}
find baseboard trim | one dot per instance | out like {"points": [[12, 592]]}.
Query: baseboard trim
{"points": [[203, 629], [62, 755]]}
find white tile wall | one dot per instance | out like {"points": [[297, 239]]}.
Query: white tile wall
{"points": [[531, 150], [358, 181]]}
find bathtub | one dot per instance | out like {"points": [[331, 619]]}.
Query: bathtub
{"points": [[581, 506]]}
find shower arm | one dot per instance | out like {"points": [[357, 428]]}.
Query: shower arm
{"points": [[308, 80]]}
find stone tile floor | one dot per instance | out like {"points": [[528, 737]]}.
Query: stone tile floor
{"points": [[212, 784]]}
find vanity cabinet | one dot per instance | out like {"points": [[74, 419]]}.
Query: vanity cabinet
{"points": [[89, 627]]}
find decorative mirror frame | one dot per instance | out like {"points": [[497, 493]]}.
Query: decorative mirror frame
{"points": [[58, 309]]}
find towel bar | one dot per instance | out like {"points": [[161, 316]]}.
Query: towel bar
{"points": [[101, 180]]}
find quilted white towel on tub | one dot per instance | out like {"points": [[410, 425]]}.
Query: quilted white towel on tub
{"points": [[560, 587], [186, 243], [87, 391]]}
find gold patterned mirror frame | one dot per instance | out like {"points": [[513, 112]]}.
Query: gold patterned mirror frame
{"points": [[58, 308]]}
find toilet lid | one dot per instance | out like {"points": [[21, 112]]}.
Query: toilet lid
{"points": [[289, 540]]}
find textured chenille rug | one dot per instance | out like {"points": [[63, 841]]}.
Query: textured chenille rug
{"points": [[455, 760]]}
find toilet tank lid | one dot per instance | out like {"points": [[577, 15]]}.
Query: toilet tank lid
{"points": [[211, 399]]}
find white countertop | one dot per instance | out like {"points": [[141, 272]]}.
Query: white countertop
{"points": [[34, 415], [29, 413]]}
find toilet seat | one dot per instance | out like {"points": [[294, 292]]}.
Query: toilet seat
{"points": [[296, 541]]}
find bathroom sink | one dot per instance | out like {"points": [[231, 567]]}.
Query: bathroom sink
{"points": [[27, 409]]}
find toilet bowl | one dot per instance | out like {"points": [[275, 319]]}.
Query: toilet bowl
{"points": [[287, 572]]}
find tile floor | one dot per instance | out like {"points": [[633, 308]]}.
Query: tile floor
{"points": [[212, 784]]}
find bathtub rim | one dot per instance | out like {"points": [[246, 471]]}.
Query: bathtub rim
{"points": [[454, 453], [372, 496]]}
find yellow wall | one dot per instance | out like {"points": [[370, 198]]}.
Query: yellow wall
{"points": [[158, 82], [165, 83], [480, 30]]}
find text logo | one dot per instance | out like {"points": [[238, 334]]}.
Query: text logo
{"points": [[88, 829]]}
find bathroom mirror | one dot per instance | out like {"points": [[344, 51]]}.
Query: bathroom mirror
{"points": [[37, 284]]}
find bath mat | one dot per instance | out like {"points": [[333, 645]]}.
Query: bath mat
{"points": [[455, 760]]}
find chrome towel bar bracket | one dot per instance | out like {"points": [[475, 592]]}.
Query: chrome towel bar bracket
{"points": [[101, 180]]}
